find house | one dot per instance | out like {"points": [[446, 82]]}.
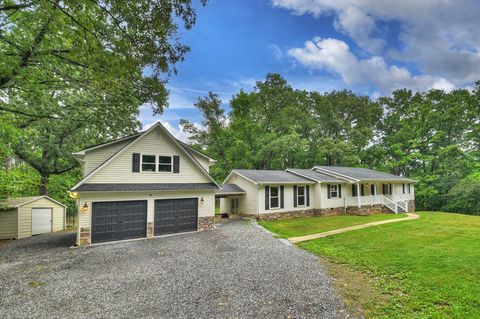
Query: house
{"points": [[322, 190], [145, 185], [27, 216]]}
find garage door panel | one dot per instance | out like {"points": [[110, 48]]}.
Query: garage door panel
{"points": [[118, 220], [175, 215]]}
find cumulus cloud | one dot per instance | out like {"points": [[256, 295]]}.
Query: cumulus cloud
{"points": [[335, 56], [440, 37], [176, 131]]}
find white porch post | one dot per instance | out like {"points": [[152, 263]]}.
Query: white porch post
{"points": [[358, 195]]}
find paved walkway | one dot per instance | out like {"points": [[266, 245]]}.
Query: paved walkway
{"points": [[300, 239]]}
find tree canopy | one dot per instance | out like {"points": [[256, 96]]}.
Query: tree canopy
{"points": [[432, 137]]}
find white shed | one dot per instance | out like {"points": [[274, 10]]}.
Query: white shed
{"points": [[27, 216]]}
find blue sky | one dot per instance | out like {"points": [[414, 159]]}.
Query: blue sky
{"points": [[371, 47]]}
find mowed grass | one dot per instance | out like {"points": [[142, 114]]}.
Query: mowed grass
{"points": [[310, 225], [424, 268]]}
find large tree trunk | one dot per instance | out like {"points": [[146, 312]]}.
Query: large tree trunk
{"points": [[43, 187]]}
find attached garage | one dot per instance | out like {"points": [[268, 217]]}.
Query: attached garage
{"points": [[27, 216], [175, 215], [119, 220]]}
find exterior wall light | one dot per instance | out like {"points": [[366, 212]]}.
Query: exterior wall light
{"points": [[202, 201], [85, 208]]}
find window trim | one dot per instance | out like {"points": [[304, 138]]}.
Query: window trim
{"points": [[336, 191], [154, 163], [158, 163], [304, 196], [157, 160], [270, 197]]}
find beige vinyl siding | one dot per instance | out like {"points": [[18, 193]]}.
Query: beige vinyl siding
{"points": [[203, 161], [25, 216], [96, 157], [287, 200], [205, 210], [248, 203], [326, 202], [153, 143], [8, 224]]}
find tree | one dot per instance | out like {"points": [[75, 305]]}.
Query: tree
{"points": [[74, 73]]}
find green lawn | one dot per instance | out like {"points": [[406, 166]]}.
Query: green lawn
{"points": [[424, 268], [310, 225]]}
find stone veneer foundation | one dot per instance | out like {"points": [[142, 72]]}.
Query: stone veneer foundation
{"points": [[206, 223], [363, 210], [150, 229], [84, 236]]}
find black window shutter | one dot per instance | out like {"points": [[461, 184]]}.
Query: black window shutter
{"points": [[328, 190], [267, 197], [135, 162], [339, 191], [372, 189], [176, 164], [295, 196], [390, 189], [281, 197], [354, 190], [307, 189], [403, 188], [384, 192], [362, 190], [409, 190]]}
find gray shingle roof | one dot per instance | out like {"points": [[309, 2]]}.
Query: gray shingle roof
{"points": [[267, 176], [364, 173], [230, 189], [89, 187], [315, 175]]}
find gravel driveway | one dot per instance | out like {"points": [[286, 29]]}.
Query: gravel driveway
{"points": [[235, 271]]}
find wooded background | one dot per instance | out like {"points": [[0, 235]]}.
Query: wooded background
{"points": [[74, 74]]}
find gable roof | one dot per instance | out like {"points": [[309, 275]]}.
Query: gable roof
{"points": [[135, 140], [231, 189], [315, 175], [187, 147], [270, 176], [20, 201], [360, 174]]}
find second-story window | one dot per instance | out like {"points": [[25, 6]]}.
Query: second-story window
{"points": [[164, 163], [148, 163]]}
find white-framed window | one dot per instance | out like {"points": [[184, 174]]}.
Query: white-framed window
{"points": [[301, 201], [333, 191], [165, 164], [148, 163], [274, 197]]}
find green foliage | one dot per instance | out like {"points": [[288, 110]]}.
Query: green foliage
{"points": [[424, 268], [464, 196], [432, 137], [18, 182]]}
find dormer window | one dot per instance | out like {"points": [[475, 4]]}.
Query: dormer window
{"points": [[148, 163], [164, 163]]}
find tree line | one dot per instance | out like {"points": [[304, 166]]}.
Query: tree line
{"points": [[432, 137]]}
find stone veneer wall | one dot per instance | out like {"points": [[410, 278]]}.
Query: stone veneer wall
{"points": [[85, 236], [411, 206], [364, 210], [206, 223]]}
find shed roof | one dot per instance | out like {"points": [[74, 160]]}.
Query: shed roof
{"points": [[227, 189], [366, 174], [270, 176], [20, 201], [320, 177]]}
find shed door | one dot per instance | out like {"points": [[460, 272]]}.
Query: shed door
{"points": [[41, 220], [119, 220], [175, 215]]}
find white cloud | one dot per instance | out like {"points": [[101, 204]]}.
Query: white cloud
{"points": [[441, 37], [277, 52], [176, 131], [335, 56]]}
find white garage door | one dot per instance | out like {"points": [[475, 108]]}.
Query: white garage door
{"points": [[41, 220]]}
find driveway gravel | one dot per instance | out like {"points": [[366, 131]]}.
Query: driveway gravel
{"points": [[235, 271]]}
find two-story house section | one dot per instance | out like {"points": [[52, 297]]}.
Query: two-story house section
{"points": [[141, 186]]}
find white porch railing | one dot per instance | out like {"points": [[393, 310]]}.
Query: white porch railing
{"points": [[393, 204]]}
